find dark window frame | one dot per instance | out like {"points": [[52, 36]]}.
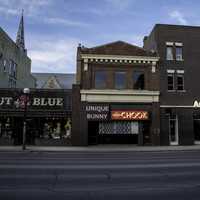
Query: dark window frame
{"points": [[180, 87], [135, 82], [172, 85]]}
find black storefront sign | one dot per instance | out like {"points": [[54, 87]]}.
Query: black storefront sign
{"points": [[37, 100], [97, 112], [8, 102]]}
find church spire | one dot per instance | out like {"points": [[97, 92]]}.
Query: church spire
{"points": [[20, 34]]}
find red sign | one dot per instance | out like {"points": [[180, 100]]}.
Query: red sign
{"points": [[129, 115]]}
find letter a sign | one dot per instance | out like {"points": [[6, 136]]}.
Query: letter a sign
{"points": [[196, 104]]}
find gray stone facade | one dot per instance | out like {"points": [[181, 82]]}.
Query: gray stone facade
{"points": [[15, 65]]}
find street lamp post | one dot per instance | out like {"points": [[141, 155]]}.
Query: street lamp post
{"points": [[26, 92]]}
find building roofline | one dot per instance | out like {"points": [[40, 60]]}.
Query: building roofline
{"points": [[12, 41], [176, 25], [113, 42]]}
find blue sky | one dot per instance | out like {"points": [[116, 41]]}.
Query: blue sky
{"points": [[54, 28]]}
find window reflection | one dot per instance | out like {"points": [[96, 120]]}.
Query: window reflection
{"points": [[120, 80], [169, 55], [179, 53], [138, 80], [56, 129], [5, 129], [100, 79]]}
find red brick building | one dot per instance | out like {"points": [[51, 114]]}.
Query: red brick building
{"points": [[116, 95]]}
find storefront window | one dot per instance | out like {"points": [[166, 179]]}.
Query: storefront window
{"points": [[100, 79], [120, 127], [68, 129], [56, 129], [134, 128], [120, 80], [138, 80], [5, 129]]}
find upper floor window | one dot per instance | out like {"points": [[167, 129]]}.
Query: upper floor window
{"points": [[138, 80], [170, 82], [14, 73], [120, 80], [169, 53], [12, 68], [179, 52], [180, 82], [100, 79], [12, 83], [4, 65]]}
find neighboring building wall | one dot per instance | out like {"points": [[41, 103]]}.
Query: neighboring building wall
{"points": [[15, 66], [189, 37], [177, 103]]}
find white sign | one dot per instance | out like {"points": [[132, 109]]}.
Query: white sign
{"points": [[36, 101], [196, 104]]}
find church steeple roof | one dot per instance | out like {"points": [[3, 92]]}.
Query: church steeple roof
{"points": [[20, 34]]}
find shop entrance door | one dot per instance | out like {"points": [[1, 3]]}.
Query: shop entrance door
{"points": [[146, 132], [93, 131], [197, 131], [173, 130]]}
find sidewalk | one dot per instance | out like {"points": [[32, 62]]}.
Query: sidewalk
{"points": [[98, 148]]}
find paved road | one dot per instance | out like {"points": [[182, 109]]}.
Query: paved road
{"points": [[100, 175]]}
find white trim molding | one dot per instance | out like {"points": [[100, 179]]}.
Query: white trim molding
{"points": [[169, 43], [119, 58], [129, 96], [178, 44], [180, 71], [176, 106], [170, 71]]}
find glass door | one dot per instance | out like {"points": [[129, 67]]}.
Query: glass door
{"points": [[173, 130], [197, 131]]}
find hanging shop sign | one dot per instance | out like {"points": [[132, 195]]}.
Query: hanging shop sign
{"points": [[129, 115], [97, 112]]}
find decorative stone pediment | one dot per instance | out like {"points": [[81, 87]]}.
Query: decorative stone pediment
{"points": [[90, 58]]}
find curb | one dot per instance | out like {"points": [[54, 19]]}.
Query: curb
{"points": [[100, 149]]}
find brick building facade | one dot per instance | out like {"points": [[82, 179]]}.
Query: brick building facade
{"points": [[178, 49], [116, 98]]}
